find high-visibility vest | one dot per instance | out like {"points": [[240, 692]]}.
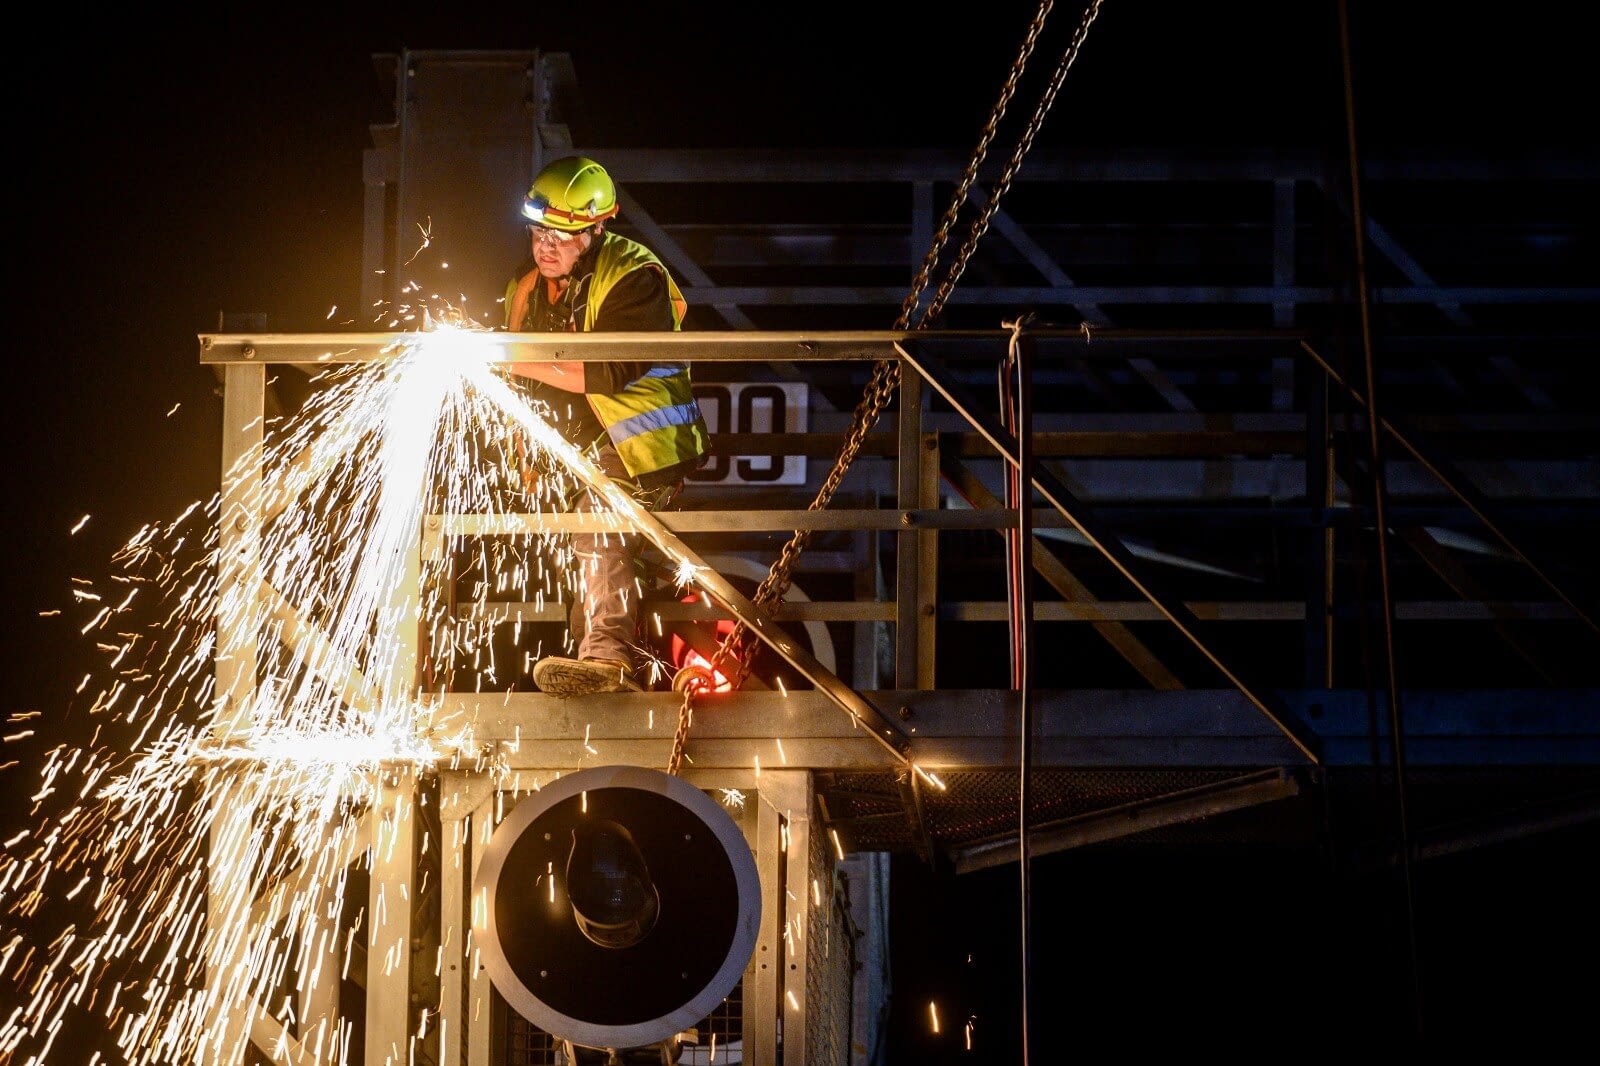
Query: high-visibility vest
{"points": [[654, 422]]}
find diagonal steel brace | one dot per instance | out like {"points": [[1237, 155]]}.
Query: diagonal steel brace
{"points": [[1076, 512]]}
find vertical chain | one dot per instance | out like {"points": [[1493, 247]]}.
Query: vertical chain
{"points": [[970, 177], [1024, 143], [681, 737], [885, 378]]}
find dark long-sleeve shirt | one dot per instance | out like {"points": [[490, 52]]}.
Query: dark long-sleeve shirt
{"points": [[637, 302]]}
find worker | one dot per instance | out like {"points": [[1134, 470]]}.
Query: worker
{"points": [[638, 421]]}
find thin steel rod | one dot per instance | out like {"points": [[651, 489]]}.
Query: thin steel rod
{"points": [[1380, 507]]}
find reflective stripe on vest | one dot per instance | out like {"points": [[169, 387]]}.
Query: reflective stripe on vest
{"points": [[654, 422]]}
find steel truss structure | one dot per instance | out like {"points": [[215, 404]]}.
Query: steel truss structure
{"points": [[1210, 629]]}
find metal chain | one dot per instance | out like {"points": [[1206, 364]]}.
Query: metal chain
{"points": [[681, 737], [885, 380], [968, 179], [1024, 143]]}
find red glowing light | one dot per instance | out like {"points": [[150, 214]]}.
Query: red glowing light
{"points": [[684, 656]]}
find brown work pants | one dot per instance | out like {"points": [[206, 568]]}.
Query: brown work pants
{"points": [[605, 615]]}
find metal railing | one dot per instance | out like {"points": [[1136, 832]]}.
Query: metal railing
{"points": [[1157, 531]]}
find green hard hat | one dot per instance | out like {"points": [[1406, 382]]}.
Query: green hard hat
{"points": [[571, 194]]}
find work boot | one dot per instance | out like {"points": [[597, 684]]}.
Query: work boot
{"points": [[565, 677]]}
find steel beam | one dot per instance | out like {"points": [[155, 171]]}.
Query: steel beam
{"points": [[977, 728]]}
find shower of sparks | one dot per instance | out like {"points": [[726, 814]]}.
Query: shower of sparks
{"points": [[933, 1015], [930, 777], [732, 798], [260, 701]]}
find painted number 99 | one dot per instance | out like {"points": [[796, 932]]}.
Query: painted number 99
{"points": [[753, 408]]}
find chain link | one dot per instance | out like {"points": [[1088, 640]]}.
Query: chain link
{"points": [[981, 225], [970, 177], [885, 380], [681, 737]]}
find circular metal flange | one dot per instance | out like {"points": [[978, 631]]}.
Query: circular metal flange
{"points": [[710, 910]]}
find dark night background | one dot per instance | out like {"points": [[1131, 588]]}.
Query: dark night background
{"points": [[167, 167]]}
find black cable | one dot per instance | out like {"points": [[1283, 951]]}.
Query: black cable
{"points": [[1017, 407], [1380, 517]]}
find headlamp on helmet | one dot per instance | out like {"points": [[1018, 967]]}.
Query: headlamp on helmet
{"points": [[571, 194], [533, 208]]}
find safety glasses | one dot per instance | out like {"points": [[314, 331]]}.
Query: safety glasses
{"points": [[553, 237]]}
